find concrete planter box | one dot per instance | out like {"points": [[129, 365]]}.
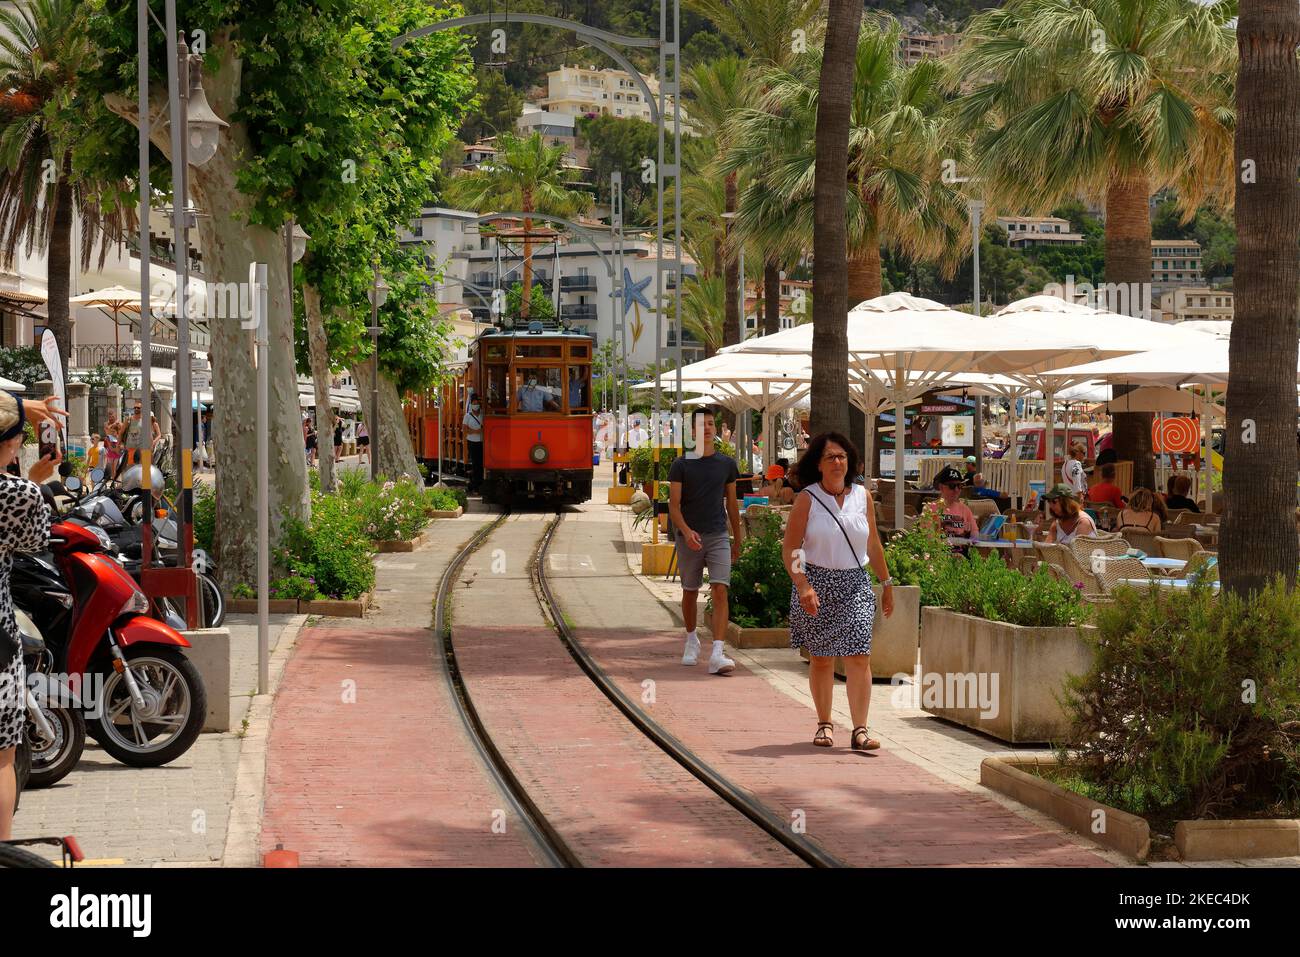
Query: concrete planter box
{"points": [[620, 494], [444, 513], [894, 640], [336, 608], [1014, 673], [739, 637], [1234, 840], [209, 652], [248, 606], [1108, 826], [657, 559], [400, 545], [1021, 778]]}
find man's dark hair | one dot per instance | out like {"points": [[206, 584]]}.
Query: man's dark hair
{"points": [[784, 463], [809, 466], [1108, 471]]}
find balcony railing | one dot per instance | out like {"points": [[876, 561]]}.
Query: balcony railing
{"points": [[577, 284], [579, 313], [123, 354]]}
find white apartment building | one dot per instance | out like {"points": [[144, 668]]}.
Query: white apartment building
{"points": [[1196, 302], [585, 282], [1026, 231], [1175, 262], [587, 91]]}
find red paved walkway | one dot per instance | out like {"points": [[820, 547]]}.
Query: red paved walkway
{"points": [[390, 780], [615, 797], [868, 809]]}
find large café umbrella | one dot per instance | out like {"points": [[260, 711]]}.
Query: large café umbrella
{"points": [[117, 300], [910, 346], [1109, 334]]}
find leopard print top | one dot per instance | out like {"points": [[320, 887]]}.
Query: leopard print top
{"points": [[24, 527]]}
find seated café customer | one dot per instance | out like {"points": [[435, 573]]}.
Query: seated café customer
{"points": [[955, 516], [981, 489], [1179, 486], [1140, 514], [777, 489], [1069, 520], [1106, 492]]}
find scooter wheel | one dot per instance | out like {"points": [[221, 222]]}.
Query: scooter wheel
{"points": [[188, 700], [51, 765]]}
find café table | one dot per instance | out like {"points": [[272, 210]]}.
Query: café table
{"points": [[1164, 583]]}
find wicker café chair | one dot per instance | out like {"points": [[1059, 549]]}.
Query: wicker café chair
{"points": [[1087, 547], [1106, 515], [1195, 562], [1183, 548], [1115, 570], [1176, 515], [1071, 568], [1145, 541]]}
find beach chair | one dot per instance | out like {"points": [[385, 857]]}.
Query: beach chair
{"points": [[1183, 548]]}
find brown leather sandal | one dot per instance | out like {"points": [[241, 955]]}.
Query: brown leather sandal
{"points": [[863, 741], [822, 738]]}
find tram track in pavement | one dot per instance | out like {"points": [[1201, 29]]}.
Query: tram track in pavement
{"points": [[808, 851], [556, 849]]}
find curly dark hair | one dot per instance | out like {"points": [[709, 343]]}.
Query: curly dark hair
{"points": [[809, 466]]}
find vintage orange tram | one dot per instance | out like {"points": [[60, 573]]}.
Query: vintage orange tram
{"points": [[534, 384]]}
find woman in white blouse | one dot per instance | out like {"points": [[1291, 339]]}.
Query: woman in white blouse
{"points": [[829, 539]]}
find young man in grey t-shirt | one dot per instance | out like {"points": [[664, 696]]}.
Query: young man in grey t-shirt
{"points": [[701, 505]]}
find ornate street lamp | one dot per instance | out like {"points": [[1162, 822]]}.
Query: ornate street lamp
{"points": [[378, 295]]}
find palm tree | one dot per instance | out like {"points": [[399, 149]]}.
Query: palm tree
{"points": [[772, 33], [830, 373], [704, 312], [715, 91], [524, 175], [1259, 541], [1105, 97], [898, 140], [43, 47]]}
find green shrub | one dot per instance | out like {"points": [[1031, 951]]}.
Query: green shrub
{"points": [[205, 516], [313, 479], [643, 463], [1192, 707], [759, 596], [243, 591], [443, 499], [334, 550], [296, 587], [920, 556], [394, 511], [987, 588]]}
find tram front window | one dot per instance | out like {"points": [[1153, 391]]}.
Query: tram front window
{"points": [[496, 388], [538, 389]]}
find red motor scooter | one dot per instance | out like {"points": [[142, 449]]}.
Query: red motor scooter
{"points": [[143, 700]]}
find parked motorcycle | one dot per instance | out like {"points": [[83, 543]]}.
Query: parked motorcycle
{"points": [[56, 730], [142, 699]]}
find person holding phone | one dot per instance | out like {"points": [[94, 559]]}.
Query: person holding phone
{"points": [[24, 526], [132, 433]]}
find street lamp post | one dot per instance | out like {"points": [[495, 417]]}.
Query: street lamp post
{"points": [[976, 209], [378, 294]]}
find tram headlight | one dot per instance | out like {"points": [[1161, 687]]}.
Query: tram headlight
{"points": [[538, 454]]}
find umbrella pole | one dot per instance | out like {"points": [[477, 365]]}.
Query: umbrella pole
{"points": [[1049, 439], [1015, 454]]}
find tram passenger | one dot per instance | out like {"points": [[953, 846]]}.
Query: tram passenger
{"points": [[535, 398], [701, 504], [577, 388]]}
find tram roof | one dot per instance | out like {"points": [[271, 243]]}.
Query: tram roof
{"points": [[526, 334]]}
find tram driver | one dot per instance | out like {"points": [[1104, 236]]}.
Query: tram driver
{"points": [[534, 397]]}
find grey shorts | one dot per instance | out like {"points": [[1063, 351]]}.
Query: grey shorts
{"points": [[715, 552]]}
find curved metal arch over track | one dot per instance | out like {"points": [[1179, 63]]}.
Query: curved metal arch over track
{"points": [[602, 40], [587, 234]]}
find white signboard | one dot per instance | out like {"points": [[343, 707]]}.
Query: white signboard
{"points": [[958, 430]]}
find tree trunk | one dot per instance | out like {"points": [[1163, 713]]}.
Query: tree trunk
{"points": [[58, 268], [1128, 262], [391, 447], [864, 270], [230, 245], [771, 297], [318, 352], [830, 379], [731, 331], [1259, 474]]}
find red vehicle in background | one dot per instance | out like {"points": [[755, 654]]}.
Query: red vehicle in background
{"points": [[1031, 442]]}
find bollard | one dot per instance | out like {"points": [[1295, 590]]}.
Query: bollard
{"points": [[280, 858]]}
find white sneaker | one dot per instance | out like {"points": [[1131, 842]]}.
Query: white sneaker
{"points": [[720, 664], [692, 653]]}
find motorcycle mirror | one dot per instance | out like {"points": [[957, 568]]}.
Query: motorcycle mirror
{"points": [[97, 475], [72, 483]]}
